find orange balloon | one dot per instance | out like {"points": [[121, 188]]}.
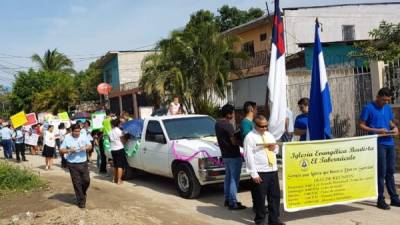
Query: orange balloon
{"points": [[104, 88]]}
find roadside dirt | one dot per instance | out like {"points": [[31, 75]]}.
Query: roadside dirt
{"points": [[107, 204]]}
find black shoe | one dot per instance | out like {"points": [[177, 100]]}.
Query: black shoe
{"points": [[237, 206], [383, 205], [25, 160], [395, 203], [278, 222], [226, 203]]}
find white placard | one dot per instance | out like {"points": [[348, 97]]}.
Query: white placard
{"points": [[31, 139], [145, 111]]}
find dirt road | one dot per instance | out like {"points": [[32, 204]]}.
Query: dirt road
{"points": [[150, 199]]}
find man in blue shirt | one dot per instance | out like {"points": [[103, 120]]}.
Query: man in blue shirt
{"points": [[377, 118], [6, 140], [301, 122], [76, 146]]}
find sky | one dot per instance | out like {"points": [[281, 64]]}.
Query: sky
{"points": [[86, 29]]}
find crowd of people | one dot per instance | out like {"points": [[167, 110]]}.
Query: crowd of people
{"points": [[261, 150], [76, 143]]}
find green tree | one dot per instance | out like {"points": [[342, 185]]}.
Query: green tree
{"points": [[26, 86], [53, 61], [51, 88], [193, 63], [230, 17], [4, 102], [58, 97], [385, 43], [86, 82]]}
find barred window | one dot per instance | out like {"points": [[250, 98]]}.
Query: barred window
{"points": [[348, 32]]}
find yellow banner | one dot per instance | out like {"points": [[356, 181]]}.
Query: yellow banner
{"points": [[322, 173], [18, 119]]}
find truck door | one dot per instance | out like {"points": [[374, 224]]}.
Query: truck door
{"points": [[155, 150]]}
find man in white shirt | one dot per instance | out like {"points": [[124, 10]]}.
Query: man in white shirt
{"points": [[260, 155]]}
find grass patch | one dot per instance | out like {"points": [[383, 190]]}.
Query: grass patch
{"points": [[16, 179]]}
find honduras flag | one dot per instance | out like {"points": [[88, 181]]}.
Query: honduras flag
{"points": [[277, 77], [320, 101]]}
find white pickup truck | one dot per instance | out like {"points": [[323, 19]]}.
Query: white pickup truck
{"points": [[183, 148]]}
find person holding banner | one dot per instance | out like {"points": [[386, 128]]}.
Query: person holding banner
{"points": [[301, 122], [260, 156], [377, 118]]}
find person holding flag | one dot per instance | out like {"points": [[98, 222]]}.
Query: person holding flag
{"points": [[320, 107]]}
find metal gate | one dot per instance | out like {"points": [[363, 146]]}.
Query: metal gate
{"points": [[392, 79], [350, 90]]}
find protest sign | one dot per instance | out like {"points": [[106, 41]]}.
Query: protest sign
{"points": [[97, 120], [63, 116], [322, 173], [31, 119], [18, 119], [31, 139], [55, 123]]}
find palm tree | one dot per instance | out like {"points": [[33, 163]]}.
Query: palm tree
{"points": [[193, 63], [54, 61]]}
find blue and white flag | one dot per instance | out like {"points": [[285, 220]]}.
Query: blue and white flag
{"points": [[319, 127], [277, 77]]}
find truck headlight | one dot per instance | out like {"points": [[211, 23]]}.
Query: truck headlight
{"points": [[212, 162]]}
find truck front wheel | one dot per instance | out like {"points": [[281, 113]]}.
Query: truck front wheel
{"points": [[186, 181]]}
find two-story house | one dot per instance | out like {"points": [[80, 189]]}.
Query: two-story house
{"points": [[342, 25], [250, 82], [122, 70]]}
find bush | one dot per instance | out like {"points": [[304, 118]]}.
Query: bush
{"points": [[16, 179], [207, 108]]}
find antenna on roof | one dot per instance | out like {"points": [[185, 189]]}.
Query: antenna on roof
{"points": [[266, 4]]}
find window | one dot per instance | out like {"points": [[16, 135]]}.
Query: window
{"points": [[348, 32], [154, 133], [248, 47], [186, 128], [263, 37]]}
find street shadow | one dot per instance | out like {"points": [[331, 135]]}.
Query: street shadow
{"points": [[317, 212], [243, 216], [67, 198]]}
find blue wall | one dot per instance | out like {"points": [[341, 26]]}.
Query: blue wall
{"points": [[111, 67], [336, 53]]}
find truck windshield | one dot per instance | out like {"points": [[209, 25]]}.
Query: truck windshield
{"points": [[193, 127]]}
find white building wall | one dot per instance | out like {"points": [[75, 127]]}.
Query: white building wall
{"points": [[250, 89], [300, 23], [129, 64]]}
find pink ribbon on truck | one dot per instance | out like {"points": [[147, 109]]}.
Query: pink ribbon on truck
{"points": [[191, 157]]}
